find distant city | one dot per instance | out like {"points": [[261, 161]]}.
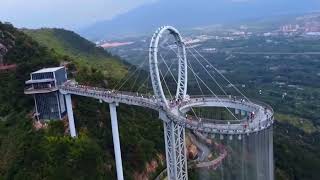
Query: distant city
{"points": [[308, 26]]}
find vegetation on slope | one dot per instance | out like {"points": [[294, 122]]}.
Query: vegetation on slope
{"points": [[296, 153], [304, 124], [50, 153], [70, 44]]}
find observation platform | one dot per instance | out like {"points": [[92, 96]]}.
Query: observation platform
{"points": [[31, 90], [262, 119], [43, 89]]}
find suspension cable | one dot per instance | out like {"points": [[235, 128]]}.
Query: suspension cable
{"points": [[143, 82], [129, 69], [221, 74], [146, 79], [206, 86], [166, 84], [165, 74], [169, 69], [174, 77], [134, 83], [212, 93], [190, 64], [195, 78], [224, 92], [141, 65]]}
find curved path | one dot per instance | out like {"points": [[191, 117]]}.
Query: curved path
{"points": [[217, 161], [205, 150], [262, 120], [214, 164]]}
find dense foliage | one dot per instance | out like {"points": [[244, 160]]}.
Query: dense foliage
{"points": [[296, 153], [50, 153], [70, 44]]}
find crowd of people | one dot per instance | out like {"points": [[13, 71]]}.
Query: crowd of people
{"points": [[177, 102], [110, 93], [172, 103]]}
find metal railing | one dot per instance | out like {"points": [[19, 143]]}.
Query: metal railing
{"points": [[261, 120]]}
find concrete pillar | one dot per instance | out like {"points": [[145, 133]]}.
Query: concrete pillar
{"points": [[116, 140], [72, 127]]}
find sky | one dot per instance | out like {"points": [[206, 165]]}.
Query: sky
{"points": [[79, 14], [70, 14]]}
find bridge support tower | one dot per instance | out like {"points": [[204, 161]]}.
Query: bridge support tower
{"points": [[115, 132], [175, 151], [72, 126], [116, 140], [174, 136]]}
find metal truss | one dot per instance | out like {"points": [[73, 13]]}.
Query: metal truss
{"points": [[174, 133], [175, 151]]}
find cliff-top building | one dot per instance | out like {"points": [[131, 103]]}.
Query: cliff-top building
{"points": [[43, 85]]}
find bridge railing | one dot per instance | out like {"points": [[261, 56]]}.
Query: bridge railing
{"points": [[72, 84], [118, 96], [221, 99], [150, 101], [234, 98], [222, 128]]}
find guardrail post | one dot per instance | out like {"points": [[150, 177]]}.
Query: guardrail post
{"points": [[116, 140]]}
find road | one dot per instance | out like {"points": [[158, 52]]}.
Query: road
{"points": [[204, 149], [204, 161]]}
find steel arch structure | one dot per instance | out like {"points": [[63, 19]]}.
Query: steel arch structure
{"points": [[154, 70], [174, 134]]}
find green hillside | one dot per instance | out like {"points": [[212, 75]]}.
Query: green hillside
{"points": [[68, 43], [50, 153]]}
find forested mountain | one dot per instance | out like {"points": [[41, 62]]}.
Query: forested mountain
{"points": [[49, 153]]}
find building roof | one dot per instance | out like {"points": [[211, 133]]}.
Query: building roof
{"points": [[45, 70]]}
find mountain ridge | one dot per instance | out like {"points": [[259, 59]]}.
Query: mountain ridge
{"points": [[69, 44], [190, 14]]}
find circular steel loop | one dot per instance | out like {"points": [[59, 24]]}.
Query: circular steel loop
{"points": [[154, 69]]}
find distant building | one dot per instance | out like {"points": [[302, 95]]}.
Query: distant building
{"points": [[290, 28], [43, 85], [313, 33]]}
